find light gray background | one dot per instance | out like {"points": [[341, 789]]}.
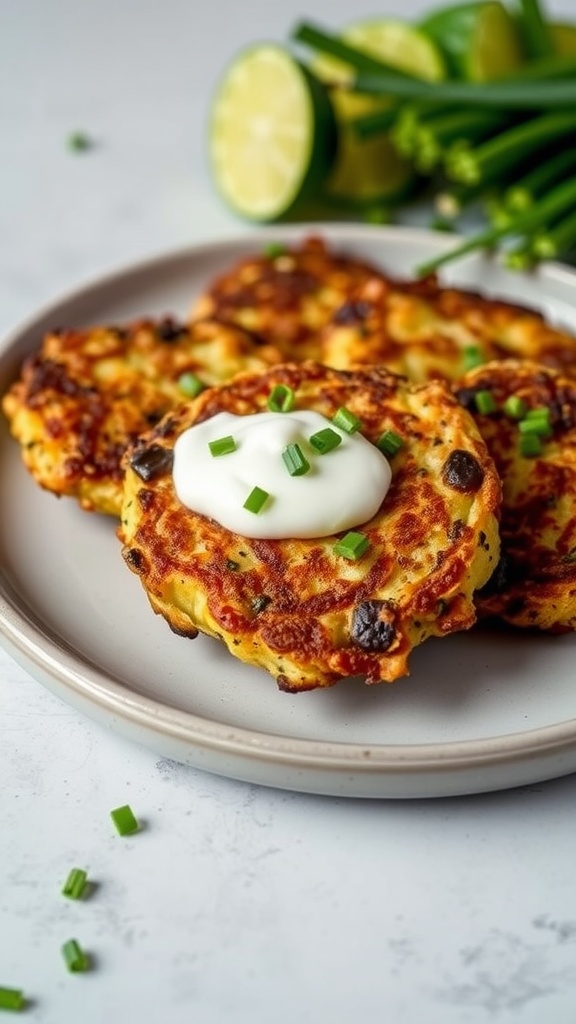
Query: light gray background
{"points": [[237, 903]]}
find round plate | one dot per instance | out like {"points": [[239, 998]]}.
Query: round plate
{"points": [[480, 711]]}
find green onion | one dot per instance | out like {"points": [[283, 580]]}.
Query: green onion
{"points": [[530, 445], [526, 188], [334, 46], [222, 446], [509, 94], [281, 398], [535, 423], [515, 407], [346, 420], [274, 249], [491, 158], [296, 463], [560, 199], [534, 29], [75, 884], [390, 443], [485, 402], [190, 384], [75, 957], [79, 142], [125, 820], [325, 440], [539, 412], [352, 546], [11, 999], [256, 500], [472, 356]]}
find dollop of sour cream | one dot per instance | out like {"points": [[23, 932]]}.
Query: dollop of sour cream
{"points": [[343, 488]]}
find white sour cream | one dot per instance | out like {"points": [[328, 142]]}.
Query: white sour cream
{"points": [[343, 488]]}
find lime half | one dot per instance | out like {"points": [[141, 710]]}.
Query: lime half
{"points": [[272, 135], [479, 39], [369, 171]]}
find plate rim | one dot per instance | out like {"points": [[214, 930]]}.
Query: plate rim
{"points": [[81, 681]]}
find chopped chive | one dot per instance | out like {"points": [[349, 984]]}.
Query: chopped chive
{"points": [[79, 142], [352, 546], [75, 957], [535, 425], [222, 446], [325, 440], [190, 384], [515, 407], [472, 356], [539, 412], [274, 249], [125, 820], [11, 999], [256, 500], [295, 462], [281, 398], [390, 443], [530, 445], [346, 420], [75, 884], [485, 402]]}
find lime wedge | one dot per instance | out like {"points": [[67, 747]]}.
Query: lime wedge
{"points": [[272, 134], [479, 39], [564, 38], [369, 171]]}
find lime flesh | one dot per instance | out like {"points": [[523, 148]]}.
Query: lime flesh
{"points": [[272, 134]]}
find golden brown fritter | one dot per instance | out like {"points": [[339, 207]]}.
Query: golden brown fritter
{"points": [[295, 607], [87, 394], [423, 330], [286, 294], [535, 583]]}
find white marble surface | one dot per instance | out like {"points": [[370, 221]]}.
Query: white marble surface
{"points": [[234, 903]]}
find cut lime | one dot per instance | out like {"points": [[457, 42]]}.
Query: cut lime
{"points": [[564, 38], [479, 40], [370, 171], [272, 134]]}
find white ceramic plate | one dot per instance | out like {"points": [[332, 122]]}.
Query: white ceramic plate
{"points": [[479, 712]]}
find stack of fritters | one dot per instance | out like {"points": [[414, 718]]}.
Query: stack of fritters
{"points": [[90, 403]]}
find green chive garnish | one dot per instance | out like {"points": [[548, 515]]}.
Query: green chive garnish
{"points": [[190, 385], [485, 402], [281, 398], [296, 463], [325, 440], [472, 356], [346, 420], [390, 443], [535, 425], [515, 407], [75, 957], [530, 445], [125, 820], [75, 884], [540, 412], [274, 249], [256, 500], [11, 999], [79, 142], [352, 546], [222, 445]]}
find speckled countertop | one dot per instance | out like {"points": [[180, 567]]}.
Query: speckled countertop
{"points": [[235, 903]]}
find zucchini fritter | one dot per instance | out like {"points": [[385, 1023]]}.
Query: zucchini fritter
{"points": [[286, 295], [535, 583], [295, 607], [423, 330], [87, 394]]}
